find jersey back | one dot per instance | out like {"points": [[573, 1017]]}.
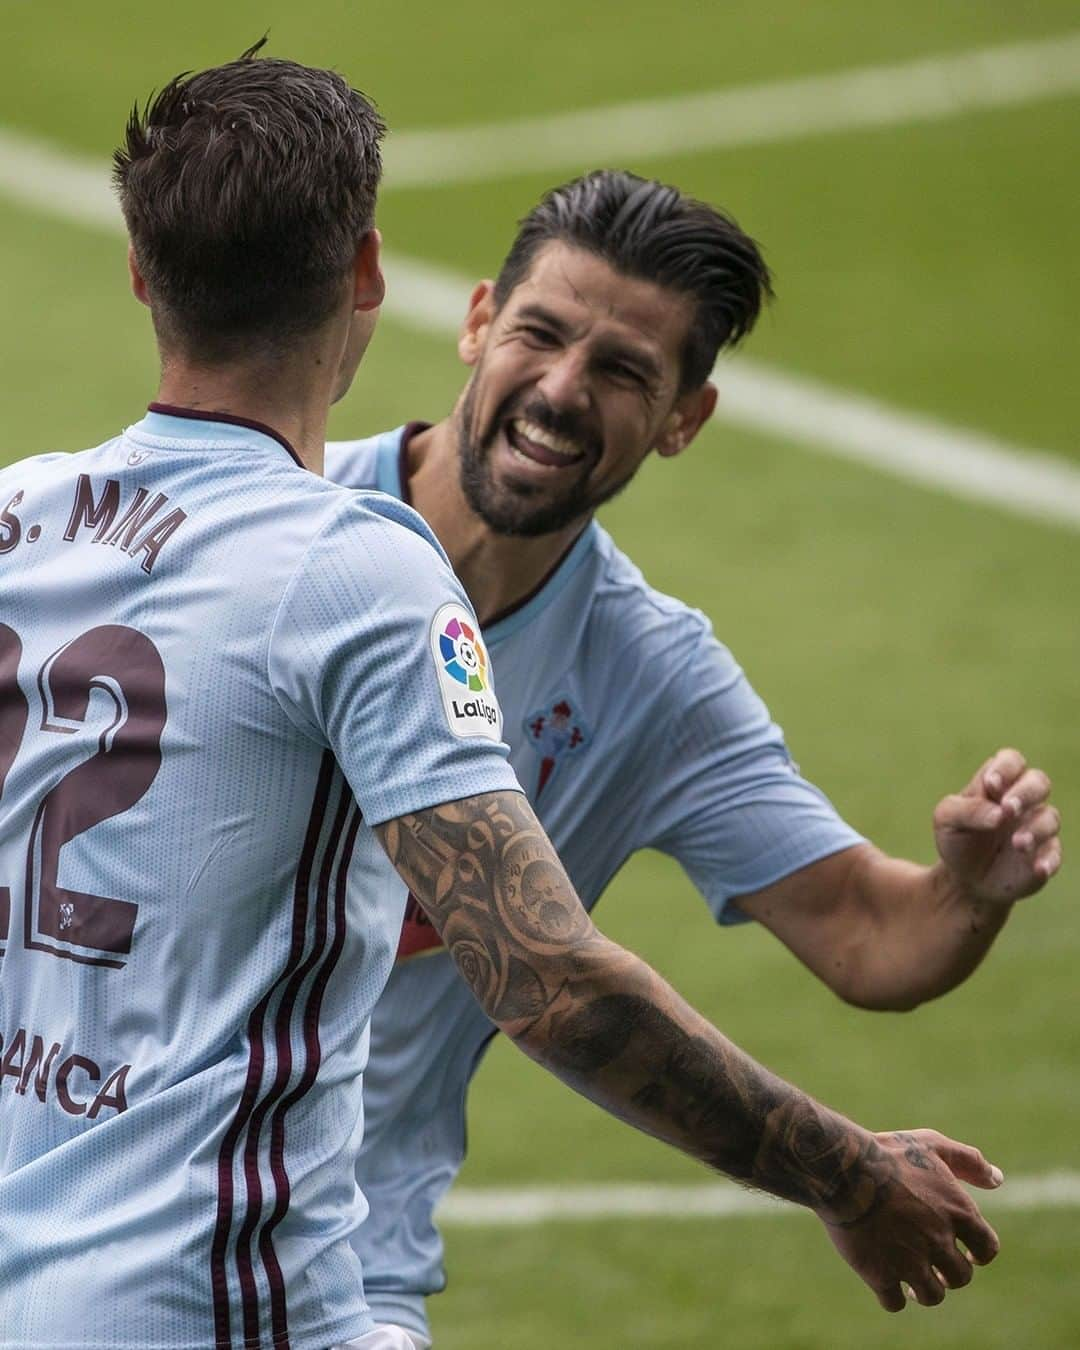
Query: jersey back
{"points": [[215, 674]]}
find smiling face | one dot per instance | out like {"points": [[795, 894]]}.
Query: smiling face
{"points": [[575, 380]]}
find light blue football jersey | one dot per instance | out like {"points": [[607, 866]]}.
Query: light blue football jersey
{"points": [[629, 727], [217, 671]]}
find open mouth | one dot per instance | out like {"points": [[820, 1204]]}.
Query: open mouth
{"points": [[534, 444]]}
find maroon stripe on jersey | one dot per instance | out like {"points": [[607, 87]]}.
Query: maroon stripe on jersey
{"points": [[312, 1013], [283, 1072], [409, 430], [196, 415], [256, 1058]]}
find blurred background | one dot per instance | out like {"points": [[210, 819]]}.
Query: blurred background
{"points": [[882, 523]]}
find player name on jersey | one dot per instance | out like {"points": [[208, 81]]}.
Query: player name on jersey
{"points": [[141, 528], [69, 1081]]}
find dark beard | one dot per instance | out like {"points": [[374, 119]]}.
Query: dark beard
{"points": [[522, 511]]}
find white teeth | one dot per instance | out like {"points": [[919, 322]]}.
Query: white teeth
{"points": [[559, 445]]}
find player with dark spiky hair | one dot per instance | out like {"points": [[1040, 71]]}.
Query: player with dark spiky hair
{"points": [[629, 724]]}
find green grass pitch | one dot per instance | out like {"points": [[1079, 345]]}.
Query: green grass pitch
{"points": [[899, 635]]}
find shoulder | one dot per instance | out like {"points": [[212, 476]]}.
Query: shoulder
{"points": [[369, 523], [356, 464], [50, 462], [372, 556], [645, 625]]}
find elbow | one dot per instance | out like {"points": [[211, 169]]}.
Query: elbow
{"points": [[860, 985], [862, 976]]}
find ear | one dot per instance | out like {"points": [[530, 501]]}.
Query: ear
{"points": [[369, 286], [686, 419], [138, 282], [474, 330]]}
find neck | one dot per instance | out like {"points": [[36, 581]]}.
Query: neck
{"points": [[290, 396], [496, 570]]}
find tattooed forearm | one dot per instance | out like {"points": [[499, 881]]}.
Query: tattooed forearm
{"points": [[598, 1017], [704, 1094], [492, 885]]}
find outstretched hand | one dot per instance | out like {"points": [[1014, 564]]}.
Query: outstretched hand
{"points": [[1000, 837], [910, 1237]]}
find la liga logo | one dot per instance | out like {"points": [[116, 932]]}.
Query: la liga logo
{"points": [[464, 674], [466, 660]]}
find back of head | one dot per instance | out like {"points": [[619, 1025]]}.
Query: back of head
{"points": [[646, 229], [246, 190]]}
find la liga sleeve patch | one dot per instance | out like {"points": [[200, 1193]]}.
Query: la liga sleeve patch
{"points": [[464, 674]]}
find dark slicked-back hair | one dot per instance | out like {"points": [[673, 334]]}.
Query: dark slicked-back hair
{"points": [[246, 190], [648, 230]]}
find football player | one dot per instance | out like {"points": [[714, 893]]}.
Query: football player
{"points": [[630, 726]]}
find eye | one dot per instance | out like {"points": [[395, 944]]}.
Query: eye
{"points": [[537, 335], [626, 374]]}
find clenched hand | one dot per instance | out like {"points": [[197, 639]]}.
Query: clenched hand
{"points": [[1000, 837]]}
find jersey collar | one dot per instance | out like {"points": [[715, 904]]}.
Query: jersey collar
{"points": [[391, 475], [165, 422]]}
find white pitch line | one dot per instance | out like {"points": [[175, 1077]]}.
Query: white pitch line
{"points": [[964, 464], [432, 299], [926, 90], [527, 1206], [40, 175]]}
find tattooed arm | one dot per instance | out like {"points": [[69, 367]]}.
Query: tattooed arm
{"points": [[610, 1027]]}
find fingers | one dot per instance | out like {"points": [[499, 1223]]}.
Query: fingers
{"points": [[1029, 791], [1038, 827], [951, 1270], [998, 774], [969, 813], [982, 806], [891, 1297], [1048, 860], [964, 1161], [953, 1267], [927, 1288], [978, 1237], [1009, 796]]}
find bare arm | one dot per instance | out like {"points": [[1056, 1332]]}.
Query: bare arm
{"points": [[608, 1025], [884, 933]]}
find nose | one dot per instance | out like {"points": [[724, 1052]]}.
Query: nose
{"points": [[564, 384]]}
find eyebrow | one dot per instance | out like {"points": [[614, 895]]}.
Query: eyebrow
{"points": [[643, 361]]}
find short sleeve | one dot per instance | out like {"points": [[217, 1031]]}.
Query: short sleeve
{"points": [[377, 655], [729, 803]]}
